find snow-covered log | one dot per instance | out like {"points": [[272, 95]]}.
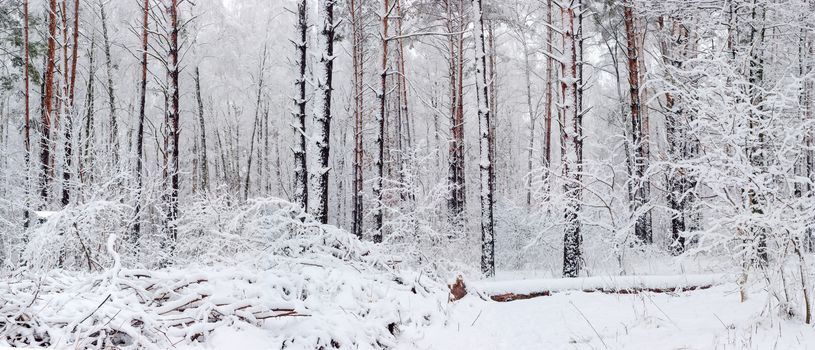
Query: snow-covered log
{"points": [[526, 289]]}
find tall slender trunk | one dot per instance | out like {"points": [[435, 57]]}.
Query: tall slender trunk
{"points": [[642, 227], [66, 172], [136, 228], [174, 127], [532, 118], [485, 144], [318, 147], [204, 161], [756, 122], [674, 49], [457, 198], [571, 141], [492, 84], [114, 124], [87, 141], [300, 165], [48, 97], [255, 124], [380, 138], [358, 60], [550, 71], [27, 125]]}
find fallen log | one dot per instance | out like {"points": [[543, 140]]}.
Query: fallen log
{"points": [[504, 291]]}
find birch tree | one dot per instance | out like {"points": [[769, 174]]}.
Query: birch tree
{"points": [[485, 144]]}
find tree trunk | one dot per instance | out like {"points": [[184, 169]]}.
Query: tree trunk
{"points": [[571, 141], [174, 128], [319, 144], [114, 124], [45, 141], [550, 71], [27, 125], [532, 119], [642, 226], [456, 181], [204, 161], [380, 138], [67, 170], [136, 229], [485, 144], [358, 61], [255, 124], [87, 142], [300, 165]]}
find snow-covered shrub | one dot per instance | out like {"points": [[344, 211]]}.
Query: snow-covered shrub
{"points": [[74, 238]]}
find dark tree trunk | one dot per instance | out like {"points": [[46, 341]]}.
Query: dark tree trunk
{"points": [[173, 119], [27, 125], [300, 165], [639, 177], [255, 125], [114, 124], [136, 229], [358, 60], [204, 160]]}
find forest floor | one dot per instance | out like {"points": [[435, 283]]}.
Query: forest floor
{"points": [[712, 318]]}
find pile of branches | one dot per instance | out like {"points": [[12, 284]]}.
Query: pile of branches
{"points": [[133, 309], [312, 286]]}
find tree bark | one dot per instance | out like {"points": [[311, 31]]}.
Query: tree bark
{"points": [[173, 119], [485, 144], [136, 228], [571, 141], [300, 165], [642, 226], [67, 170], [318, 149], [204, 161], [114, 124], [27, 125], [358, 60], [380, 138], [255, 124], [45, 141]]}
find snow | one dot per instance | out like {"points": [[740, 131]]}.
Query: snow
{"points": [[703, 319]]}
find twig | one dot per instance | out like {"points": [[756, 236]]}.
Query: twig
{"points": [[476, 317], [590, 325], [95, 310]]}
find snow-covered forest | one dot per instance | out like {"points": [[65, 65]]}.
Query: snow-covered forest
{"points": [[407, 174]]}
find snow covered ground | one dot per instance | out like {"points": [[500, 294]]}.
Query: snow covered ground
{"points": [[356, 312], [703, 319]]}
